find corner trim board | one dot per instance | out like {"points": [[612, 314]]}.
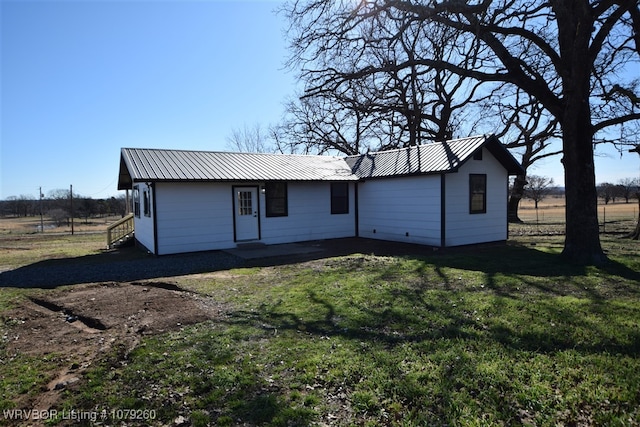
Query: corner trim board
{"points": [[154, 195], [443, 210]]}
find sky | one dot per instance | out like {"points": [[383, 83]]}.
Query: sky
{"points": [[80, 79]]}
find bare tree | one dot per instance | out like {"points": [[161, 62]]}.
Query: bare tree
{"points": [[59, 216], [326, 122], [22, 205], [250, 139], [607, 192], [537, 188], [635, 235], [356, 98], [628, 187], [527, 130], [570, 55]]}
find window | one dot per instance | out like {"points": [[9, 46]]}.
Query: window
{"points": [[477, 155], [136, 201], [146, 202], [339, 197], [276, 199], [477, 193], [245, 203]]}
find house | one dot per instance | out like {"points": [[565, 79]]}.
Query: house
{"points": [[441, 194]]}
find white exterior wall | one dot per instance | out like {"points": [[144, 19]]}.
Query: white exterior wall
{"points": [[199, 216], [143, 225], [193, 217], [309, 216], [396, 206], [463, 228]]}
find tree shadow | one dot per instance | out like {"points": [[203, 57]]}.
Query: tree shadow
{"points": [[521, 265], [131, 263], [124, 265], [431, 320], [510, 276]]}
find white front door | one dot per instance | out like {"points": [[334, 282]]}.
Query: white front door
{"points": [[246, 213]]}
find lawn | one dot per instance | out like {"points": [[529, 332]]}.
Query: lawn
{"points": [[504, 335], [497, 337]]}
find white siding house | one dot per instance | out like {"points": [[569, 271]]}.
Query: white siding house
{"points": [[439, 194], [405, 209], [462, 227]]}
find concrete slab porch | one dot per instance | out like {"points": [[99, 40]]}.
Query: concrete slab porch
{"points": [[259, 251]]}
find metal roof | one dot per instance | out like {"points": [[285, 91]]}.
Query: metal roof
{"points": [[154, 165], [435, 157], [141, 164]]}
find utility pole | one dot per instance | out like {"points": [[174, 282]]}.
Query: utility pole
{"points": [[41, 220], [71, 196]]}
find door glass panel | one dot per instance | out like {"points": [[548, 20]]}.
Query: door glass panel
{"points": [[245, 203]]}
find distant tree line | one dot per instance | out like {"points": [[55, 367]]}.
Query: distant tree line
{"points": [[536, 188], [627, 188], [57, 205]]}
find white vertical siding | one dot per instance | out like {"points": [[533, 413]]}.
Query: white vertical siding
{"points": [[309, 216], [463, 228], [396, 206]]}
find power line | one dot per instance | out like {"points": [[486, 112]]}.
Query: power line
{"points": [[105, 188]]}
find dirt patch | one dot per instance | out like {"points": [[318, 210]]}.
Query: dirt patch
{"points": [[82, 323]]}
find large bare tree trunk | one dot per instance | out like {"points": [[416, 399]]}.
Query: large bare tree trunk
{"points": [[635, 234], [515, 196], [582, 240]]}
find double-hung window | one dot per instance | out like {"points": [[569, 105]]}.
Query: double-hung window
{"points": [[146, 201], [339, 198], [136, 201], [276, 199], [477, 193]]}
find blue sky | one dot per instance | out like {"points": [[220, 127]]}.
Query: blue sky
{"points": [[81, 79]]}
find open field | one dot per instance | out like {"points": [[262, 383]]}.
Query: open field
{"points": [[552, 209], [614, 218], [33, 225], [495, 335]]}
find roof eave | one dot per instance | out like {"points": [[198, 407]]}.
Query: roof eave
{"points": [[503, 155], [124, 176]]}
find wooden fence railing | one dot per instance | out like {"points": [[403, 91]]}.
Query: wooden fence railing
{"points": [[120, 231]]}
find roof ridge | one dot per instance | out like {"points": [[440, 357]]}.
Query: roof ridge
{"points": [[183, 150], [485, 136]]}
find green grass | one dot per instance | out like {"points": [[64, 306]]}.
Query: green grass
{"points": [[20, 250], [500, 336]]}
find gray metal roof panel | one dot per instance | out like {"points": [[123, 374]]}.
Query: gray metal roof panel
{"points": [[181, 165], [140, 164], [436, 157]]}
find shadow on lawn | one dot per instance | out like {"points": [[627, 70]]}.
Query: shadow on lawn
{"points": [[130, 264], [125, 265], [509, 268], [519, 280], [495, 261]]}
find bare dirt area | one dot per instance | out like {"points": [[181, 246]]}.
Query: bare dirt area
{"points": [[78, 325]]}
